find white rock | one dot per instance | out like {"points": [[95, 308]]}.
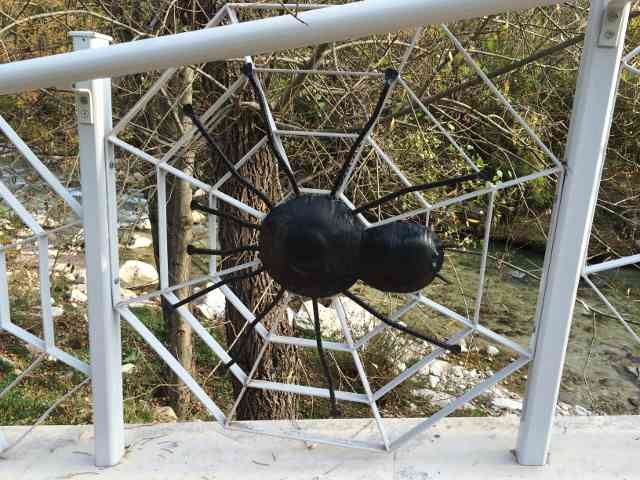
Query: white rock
{"points": [[463, 345], [582, 412], [507, 404], [359, 320], [165, 415], [492, 351], [212, 305], [128, 368], [57, 312], [140, 241], [135, 273], [78, 294], [424, 392], [439, 368], [71, 272], [564, 409], [433, 381], [144, 225], [198, 217], [458, 371], [498, 391], [80, 275], [440, 399], [329, 323], [517, 274]]}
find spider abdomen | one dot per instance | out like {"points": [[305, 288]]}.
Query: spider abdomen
{"points": [[311, 245], [400, 257]]}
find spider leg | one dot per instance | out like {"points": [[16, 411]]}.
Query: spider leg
{"points": [[221, 283], [485, 174], [203, 208], [189, 112], [248, 72], [243, 342], [390, 78], [323, 360], [402, 328], [191, 250]]}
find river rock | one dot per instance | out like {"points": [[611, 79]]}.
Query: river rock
{"points": [[437, 368], [517, 274], [71, 272], [329, 322], [198, 217], [57, 312], [135, 273], [165, 415], [439, 399], [78, 294], [564, 409], [359, 320], [507, 404], [128, 368], [581, 411], [144, 224], [492, 351], [212, 305], [140, 241], [433, 381]]}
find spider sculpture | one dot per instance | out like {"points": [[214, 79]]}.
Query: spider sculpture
{"points": [[316, 246]]}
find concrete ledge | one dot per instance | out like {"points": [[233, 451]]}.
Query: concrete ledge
{"points": [[583, 448]]}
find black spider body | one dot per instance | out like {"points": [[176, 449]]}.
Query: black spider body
{"points": [[400, 257], [311, 245], [316, 246]]}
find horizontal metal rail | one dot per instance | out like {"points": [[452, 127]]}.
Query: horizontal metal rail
{"points": [[612, 264], [336, 23]]}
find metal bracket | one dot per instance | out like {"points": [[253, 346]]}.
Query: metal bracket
{"points": [[84, 106], [612, 20]]}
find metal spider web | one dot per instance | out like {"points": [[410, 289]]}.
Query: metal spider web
{"points": [[590, 270], [351, 345], [45, 344]]}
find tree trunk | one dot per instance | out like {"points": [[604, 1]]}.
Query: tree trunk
{"points": [[279, 363], [179, 235]]}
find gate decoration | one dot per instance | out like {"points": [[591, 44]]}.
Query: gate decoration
{"points": [[213, 116]]}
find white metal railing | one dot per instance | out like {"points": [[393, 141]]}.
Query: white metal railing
{"points": [[46, 344], [468, 326], [579, 178]]}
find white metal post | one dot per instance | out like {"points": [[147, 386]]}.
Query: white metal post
{"points": [[93, 103], [594, 103]]}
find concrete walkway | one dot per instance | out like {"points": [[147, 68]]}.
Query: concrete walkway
{"points": [[458, 448]]}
